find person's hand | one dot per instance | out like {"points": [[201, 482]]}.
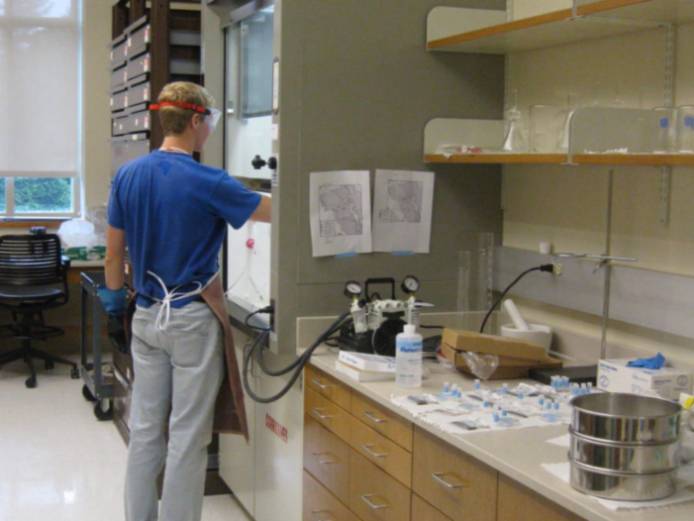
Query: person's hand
{"points": [[113, 300]]}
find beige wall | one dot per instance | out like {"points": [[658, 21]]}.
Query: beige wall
{"points": [[567, 205]]}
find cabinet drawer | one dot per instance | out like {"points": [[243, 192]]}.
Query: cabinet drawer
{"points": [[382, 452], [118, 125], [119, 100], [321, 505], [329, 415], [374, 495], [423, 511], [138, 66], [459, 486], [119, 52], [119, 77], [139, 40], [517, 503], [384, 421], [327, 457], [137, 122], [138, 94], [329, 387]]}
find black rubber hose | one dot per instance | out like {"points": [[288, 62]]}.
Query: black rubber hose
{"points": [[548, 268], [299, 363]]}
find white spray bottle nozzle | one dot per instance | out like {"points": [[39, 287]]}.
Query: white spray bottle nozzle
{"points": [[516, 317]]}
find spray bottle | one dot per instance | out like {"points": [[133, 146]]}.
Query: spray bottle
{"points": [[408, 358]]}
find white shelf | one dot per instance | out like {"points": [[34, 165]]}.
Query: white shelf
{"points": [[592, 20]]}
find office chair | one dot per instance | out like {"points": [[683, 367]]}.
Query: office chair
{"points": [[33, 278]]}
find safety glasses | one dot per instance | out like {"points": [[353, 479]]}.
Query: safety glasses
{"points": [[212, 115]]}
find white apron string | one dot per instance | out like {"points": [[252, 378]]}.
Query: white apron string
{"points": [[164, 314]]}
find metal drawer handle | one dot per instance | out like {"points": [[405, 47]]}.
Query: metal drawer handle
{"points": [[318, 414], [324, 512], [369, 449], [438, 477], [326, 461], [366, 498], [371, 416], [319, 384]]}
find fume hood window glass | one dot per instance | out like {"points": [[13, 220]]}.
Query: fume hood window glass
{"points": [[256, 59]]}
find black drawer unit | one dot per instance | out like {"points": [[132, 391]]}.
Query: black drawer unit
{"points": [[119, 52], [138, 122], [139, 94], [138, 66], [125, 149], [118, 124], [119, 101]]}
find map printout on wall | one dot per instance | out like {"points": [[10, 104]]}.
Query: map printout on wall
{"points": [[340, 205], [402, 211]]}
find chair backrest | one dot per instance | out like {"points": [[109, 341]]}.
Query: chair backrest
{"points": [[30, 260]]}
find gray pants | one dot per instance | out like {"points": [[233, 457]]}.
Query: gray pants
{"points": [[177, 370]]}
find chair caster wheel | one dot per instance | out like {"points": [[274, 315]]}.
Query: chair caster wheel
{"points": [[88, 394], [101, 413], [48, 364], [30, 382], [75, 373]]}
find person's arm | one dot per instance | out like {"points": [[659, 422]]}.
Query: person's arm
{"points": [[114, 265], [263, 213]]}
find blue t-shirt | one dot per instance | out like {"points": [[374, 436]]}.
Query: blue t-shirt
{"points": [[174, 212]]}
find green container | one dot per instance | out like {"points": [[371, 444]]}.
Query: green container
{"points": [[96, 253], [77, 253]]}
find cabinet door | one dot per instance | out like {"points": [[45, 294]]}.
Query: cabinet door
{"points": [[459, 486], [321, 505], [236, 457], [517, 503], [374, 495]]}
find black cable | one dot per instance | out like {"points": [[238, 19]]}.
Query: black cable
{"points": [[431, 327], [298, 364], [266, 309], [548, 268]]}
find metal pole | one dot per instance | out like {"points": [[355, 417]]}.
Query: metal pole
{"points": [[607, 266]]}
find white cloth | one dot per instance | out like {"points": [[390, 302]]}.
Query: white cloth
{"points": [[178, 370]]}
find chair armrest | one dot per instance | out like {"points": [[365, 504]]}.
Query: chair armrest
{"points": [[65, 262]]}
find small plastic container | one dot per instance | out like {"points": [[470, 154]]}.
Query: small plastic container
{"points": [[408, 358], [685, 129]]}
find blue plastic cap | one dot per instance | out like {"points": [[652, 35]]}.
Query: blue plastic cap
{"points": [[664, 122]]}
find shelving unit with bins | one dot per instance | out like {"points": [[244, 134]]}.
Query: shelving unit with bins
{"points": [[451, 29]]}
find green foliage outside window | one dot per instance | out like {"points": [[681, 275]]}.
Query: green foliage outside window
{"points": [[42, 194]]}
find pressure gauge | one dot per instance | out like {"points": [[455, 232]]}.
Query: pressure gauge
{"points": [[410, 284], [353, 289]]}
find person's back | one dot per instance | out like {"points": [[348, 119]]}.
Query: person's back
{"points": [[172, 212]]}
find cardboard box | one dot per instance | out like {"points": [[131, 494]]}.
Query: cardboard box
{"points": [[495, 345], [614, 376]]}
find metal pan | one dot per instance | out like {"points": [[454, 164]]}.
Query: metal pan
{"points": [[620, 486], [624, 457], [626, 418]]}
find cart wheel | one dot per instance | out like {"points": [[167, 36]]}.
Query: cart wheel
{"points": [[48, 364], [30, 382], [88, 394], [75, 373], [103, 413]]}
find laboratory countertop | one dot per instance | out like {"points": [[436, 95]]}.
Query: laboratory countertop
{"points": [[516, 453], [77, 264]]}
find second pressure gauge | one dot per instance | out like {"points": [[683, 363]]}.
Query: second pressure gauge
{"points": [[410, 284]]}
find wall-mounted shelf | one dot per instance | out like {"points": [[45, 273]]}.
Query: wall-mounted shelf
{"points": [[558, 159], [451, 29]]}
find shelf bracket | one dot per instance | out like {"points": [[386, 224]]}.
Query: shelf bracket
{"points": [[665, 181], [665, 188]]}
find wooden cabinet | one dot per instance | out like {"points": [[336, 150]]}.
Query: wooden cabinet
{"points": [[382, 452], [456, 483], [327, 457], [423, 511], [328, 387], [517, 503], [320, 505], [328, 414], [374, 495], [384, 421]]}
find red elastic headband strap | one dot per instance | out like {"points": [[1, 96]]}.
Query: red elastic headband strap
{"points": [[181, 105]]}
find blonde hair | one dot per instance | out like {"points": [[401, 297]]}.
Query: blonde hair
{"points": [[174, 120]]}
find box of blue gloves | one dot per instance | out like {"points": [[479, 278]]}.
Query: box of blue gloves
{"points": [[644, 376]]}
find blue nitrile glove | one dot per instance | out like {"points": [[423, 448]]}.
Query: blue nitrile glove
{"points": [[113, 300], [655, 362]]}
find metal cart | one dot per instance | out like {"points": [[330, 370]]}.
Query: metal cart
{"points": [[96, 373]]}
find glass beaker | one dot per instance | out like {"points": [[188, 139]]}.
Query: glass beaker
{"points": [[546, 125], [515, 133], [663, 142], [685, 129]]}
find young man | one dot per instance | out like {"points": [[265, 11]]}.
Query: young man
{"points": [[172, 213]]}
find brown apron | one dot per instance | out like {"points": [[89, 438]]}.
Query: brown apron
{"points": [[230, 411]]}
